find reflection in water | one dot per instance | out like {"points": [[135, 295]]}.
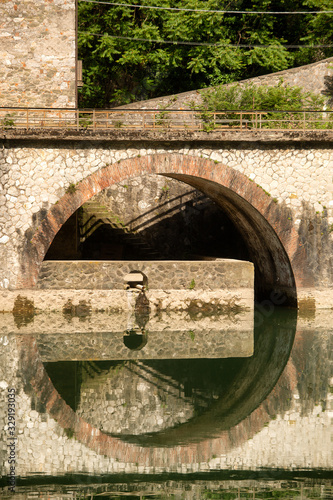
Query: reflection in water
{"points": [[135, 340], [137, 399], [143, 415], [180, 488]]}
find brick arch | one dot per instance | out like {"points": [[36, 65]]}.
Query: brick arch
{"points": [[265, 225]]}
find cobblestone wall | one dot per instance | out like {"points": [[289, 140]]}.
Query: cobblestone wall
{"points": [[296, 177], [37, 53], [161, 275]]}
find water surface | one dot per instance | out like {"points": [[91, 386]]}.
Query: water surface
{"points": [[193, 408]]}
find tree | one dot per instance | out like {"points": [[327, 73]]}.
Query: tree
{"points": [[121, 66]]}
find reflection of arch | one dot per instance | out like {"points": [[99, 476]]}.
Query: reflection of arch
{"points": [[264, 225], [251, 384], [257, 379]]}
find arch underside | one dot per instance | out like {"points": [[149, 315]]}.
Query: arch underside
{"points": [[270, 239], [263, 224], [273, 272]]}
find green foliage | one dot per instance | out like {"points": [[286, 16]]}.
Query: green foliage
{"points": [[319, 31], [121, 70], [264, 190], [71, 189], [260, 97], [85, 121], [118, 221], [162, 119], [69, 432], [278, 101], [192, 334], [192, 284], [8, 121]]}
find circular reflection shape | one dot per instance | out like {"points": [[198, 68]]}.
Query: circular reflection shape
{"points": [[252, 380], [135, 340], [229, 421]]}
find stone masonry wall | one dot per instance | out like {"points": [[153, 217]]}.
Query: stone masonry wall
{"points": [[171, 285], [297, 177], [177, 221], [161, 275], [37, 53], [314, 78]]}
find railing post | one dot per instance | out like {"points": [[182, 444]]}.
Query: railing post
{"points": [[171, 119]]}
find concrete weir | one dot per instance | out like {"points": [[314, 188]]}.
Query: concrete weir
{"points": [[196, 286]]}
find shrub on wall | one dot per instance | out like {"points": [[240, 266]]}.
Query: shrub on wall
{"points": [[280, 105]]}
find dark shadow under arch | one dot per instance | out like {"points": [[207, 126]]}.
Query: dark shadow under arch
{"points": [[273, 272], [264, 224]]}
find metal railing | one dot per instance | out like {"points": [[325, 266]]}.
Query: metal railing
{"points": [[152, 119]]}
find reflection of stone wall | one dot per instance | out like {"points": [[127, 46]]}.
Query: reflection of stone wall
{"points": [[192, 343], [191, 489], [170, 335], [133, 399], [296, 437], [8, 367]]}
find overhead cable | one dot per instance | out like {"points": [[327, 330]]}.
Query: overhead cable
{"points": [[216, 44], [183, 9]]}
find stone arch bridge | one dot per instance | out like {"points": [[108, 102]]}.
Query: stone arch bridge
{"points": [[274, 187]]}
